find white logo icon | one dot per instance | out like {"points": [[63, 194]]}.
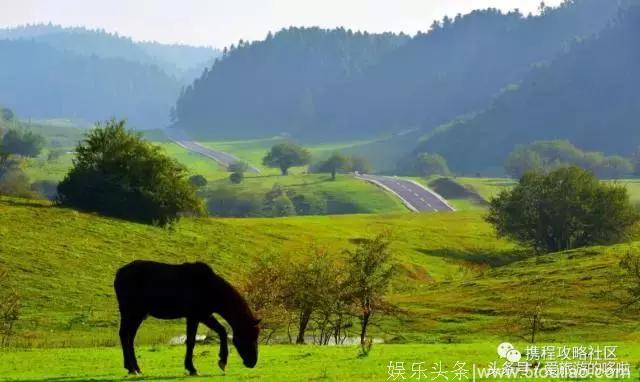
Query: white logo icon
{"points": [[506, 350]]}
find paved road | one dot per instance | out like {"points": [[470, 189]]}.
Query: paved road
{"points": [[225, 159], [415, 196]]}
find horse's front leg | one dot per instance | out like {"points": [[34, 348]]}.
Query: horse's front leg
{"points": [[192, 329], [217, 327]]}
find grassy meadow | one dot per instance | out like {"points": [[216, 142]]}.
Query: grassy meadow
{"points": [[461, 291]]}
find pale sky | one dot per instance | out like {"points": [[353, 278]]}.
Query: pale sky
{"points": [[221, 22]]}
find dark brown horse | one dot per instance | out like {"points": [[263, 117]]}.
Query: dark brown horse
{"points": [[190, 290]]}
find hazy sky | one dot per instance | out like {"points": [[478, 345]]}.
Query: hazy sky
{"points": [[221, 22]]}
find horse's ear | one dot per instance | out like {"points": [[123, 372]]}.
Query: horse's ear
{"points": [[257, 322]]}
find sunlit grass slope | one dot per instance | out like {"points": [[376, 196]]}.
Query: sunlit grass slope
{"points": [[63, 261]]}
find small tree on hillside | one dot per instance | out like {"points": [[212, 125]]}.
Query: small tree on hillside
{"points": [[285, 156], [117, 173], [23, 143], [237, 170], [529, 308], [198, 181], [308, 287], [336, 162], [369, 271], [565, 209]]}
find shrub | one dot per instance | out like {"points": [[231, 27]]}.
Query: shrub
{"points": [[198, 181], [565, 209], [20, 142], [117, 173]]}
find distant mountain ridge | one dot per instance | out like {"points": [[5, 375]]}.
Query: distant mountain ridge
{"points": [[588, 95], [337, 84], [48, 71]]}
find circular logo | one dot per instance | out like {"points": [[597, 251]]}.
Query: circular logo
{"points": [[504, 348], [513, 355]]}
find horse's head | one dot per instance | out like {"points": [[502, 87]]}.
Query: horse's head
{"points": [[246, 342]]}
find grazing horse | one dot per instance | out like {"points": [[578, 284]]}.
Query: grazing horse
{"points": [[190, 290]]}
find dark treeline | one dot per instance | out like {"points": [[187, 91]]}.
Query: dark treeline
{"points": [[336, 84], [270, 87], [589, 96]]}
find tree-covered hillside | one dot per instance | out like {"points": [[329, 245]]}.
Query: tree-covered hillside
{"points": [[314, 83], [272, 86], [589, 96], [39, 81], [174, 59]]}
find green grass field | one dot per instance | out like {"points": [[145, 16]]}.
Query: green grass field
{"points": [[346, 194], [459, 287], [277, 363]]}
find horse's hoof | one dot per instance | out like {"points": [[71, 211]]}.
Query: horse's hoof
{"points": [[193, 373], [222, 364], [135, 372]]}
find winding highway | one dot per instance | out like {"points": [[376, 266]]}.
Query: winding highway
{"points": [[183, 140], [415, 196]]}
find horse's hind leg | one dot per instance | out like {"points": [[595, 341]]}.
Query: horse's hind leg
{"points": [[132, 336], [128, 328], [192, 329], [124, 338]]}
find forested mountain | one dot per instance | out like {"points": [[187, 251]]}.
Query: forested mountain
{"points": [[38, 81], [176, 60], [271, 86], [49, 71], [331, 85], [588, 96]]}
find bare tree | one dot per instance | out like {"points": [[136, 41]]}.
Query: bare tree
{"points": [[529, 308]]}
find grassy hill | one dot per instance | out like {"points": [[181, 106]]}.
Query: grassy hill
{"points": [[462, 291], [455, 279]]}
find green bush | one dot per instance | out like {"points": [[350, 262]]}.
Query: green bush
{"points": [[117, 173], [564, 209], [21, 142]]}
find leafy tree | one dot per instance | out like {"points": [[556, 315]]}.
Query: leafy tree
{"points": [[549, 155], [236, 177], [21, 142], [309, 286], [360, 165], [237, 170], [198, 181], [117, 173], [6, 114], [308, 204], [14, 182], [427, 164], [286, 155], [369, 271], [277, 203], [565, 209], [336, 162], [521, 160]]}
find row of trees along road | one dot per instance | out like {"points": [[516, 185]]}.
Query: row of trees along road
{"points": [[319, 292]]}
